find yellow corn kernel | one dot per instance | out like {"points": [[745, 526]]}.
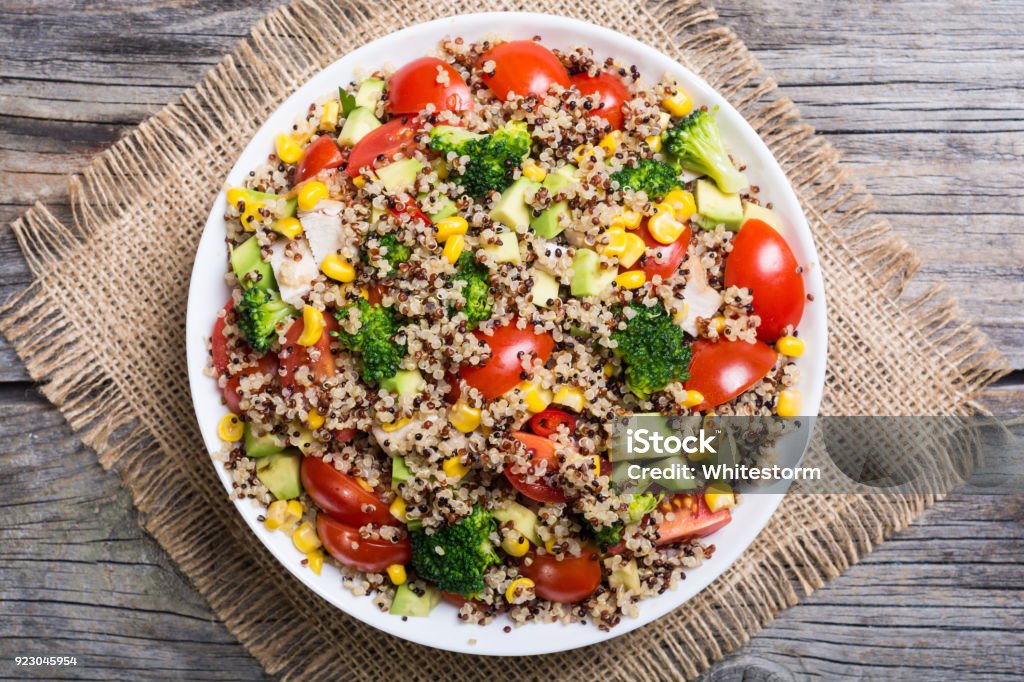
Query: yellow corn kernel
{"points": [[534, 172], [608, 369], [441, 168], [359, 181], [315, 560], [289, 227], [549, 545], [628, 219], [571, 397], [597, 465], [314, 419], [516, 547], [305, 538], [453, 248], [452, 225], [631, 279], [329, 119], [396, 572], [536, 398], [275, 516], [678, 104], [398, 509], [718, 324], [788, 404], [516, 587], [363, 484], [635, 247], [464, 418], [693, 399], [682, 203], [236, 196], [582, 152], [391, 427], [251, 215], [293, 514], [663, 226], [230, 428], [719, 496], [609, 143], [664, 120], [312, 326], [454, 468], [338, 269], [616, 242], [791, 346], [310, 193], [287, 149], [654, 142], [682, 313]]}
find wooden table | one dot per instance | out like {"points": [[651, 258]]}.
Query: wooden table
{"points": [[925, 101]]}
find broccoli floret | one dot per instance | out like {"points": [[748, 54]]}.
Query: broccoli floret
{"points": [[697, 146], [455, 557], [259, 314], [477, 291], [655, 178], [398, 252], [642, 505], [605, 536], [654, 350], [380, 355], [491, 157]]}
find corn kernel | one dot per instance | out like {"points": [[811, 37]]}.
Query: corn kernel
{"points": [[608, 369], [398, 509], [788, 404], [287, 149], [534, 172], [338, 269], [628, 219], [314, 419], [682, 203], [364, 484], [464, 418], [251, 215], [275, 516], [609, 143], [536, 397], [446, 227], [631, 279], [549, 545], [719, 496], [516, 547], [790, 346], [359, 181], [693, 399], [315, 560], [312, 326], [230, 428], [597, 465], [654, 142], [329, 118], [397, 574], [664, 227], [305, 538], [454, 468], [582, 152], [718, 324], [517, 587], [311, 193], [453, 248], [293, 514], [678, 104], [664, 120], [635, 247], [289, 227], [616, 242], [391, 427], [571, 397], [236, 196]]}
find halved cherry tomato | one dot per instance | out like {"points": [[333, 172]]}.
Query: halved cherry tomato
{"points": [[612, 91], [539, 450], [570, 580], [663, 259], [375, 294], [412, 210], [688, 521], [458, 600], [397, 135], [341, 496], [218, 342], [508, 345], [415, 85], [265, 365], [721, 370], [344, 435], [346, 545], [547, 422], [524, 68], [762, 261], [320, 155], [294, 356]]}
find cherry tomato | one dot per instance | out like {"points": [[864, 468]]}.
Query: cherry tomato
{"points": [[346, 545], [375, 294], [265, 365], [762, 261], [539, 450], [320, 155], [508, 345], [415, 85], [344, 435], [663, 259], [341, 496], [218, 342], [612, 92], [721, 370], [293, 355], [547, 422], [412, 210], [572, 579], [458, 600], [524, 68], [694, 521], [397, 135]]}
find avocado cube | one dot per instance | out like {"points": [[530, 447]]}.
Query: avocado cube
{"points": [[408, 603], [549, 223], [399, 471], [358, 124], [399, 176], [765, 215], [522, 518], [262, 446], [444, 207], [369, 93], [718, 208], [404, 382], [280, 474], [505, 252], [247, 258], [545, 288], [512, 209], [588, 277]]}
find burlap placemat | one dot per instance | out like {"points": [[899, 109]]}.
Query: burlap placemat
{"points": [[102, 327]]}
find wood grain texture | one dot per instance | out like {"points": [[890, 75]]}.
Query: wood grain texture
{"points": [[922, 97]]}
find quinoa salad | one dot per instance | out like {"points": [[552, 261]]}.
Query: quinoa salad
{"points": [[448, 280]]}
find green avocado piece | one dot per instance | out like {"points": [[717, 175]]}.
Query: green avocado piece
{"points": [[369, 93], [280, 474], [626, 576], [291, 206], [558, 180], [358, 124], [247, 258], [404, 382], [545, 288], [399, 471], [765, 215], [522, 519], [445, 207], [505, 252], [262, 446], [511, 209], [549, 223], [408, 603], [716, 207], [588, 277], [399, 176]]}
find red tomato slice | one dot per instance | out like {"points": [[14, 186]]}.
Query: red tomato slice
{"points": [[294, 356], [265, 365], [570, 580], [218, 342], [397, 135], [412, 210], [341, 496], [344, 544], [524, 68], [458, 600], [415, 85], [508, 344], [695, 522], [539, 450], [721, 370], [320, 155], [547, 422], [762, 261], [344, 435], [663, 259], [612, 93]]}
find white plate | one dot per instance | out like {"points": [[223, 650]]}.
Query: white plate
{"points": [[208, 293]]}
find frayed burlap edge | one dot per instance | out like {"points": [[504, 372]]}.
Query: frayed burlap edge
{"points": [[67, 329]]}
